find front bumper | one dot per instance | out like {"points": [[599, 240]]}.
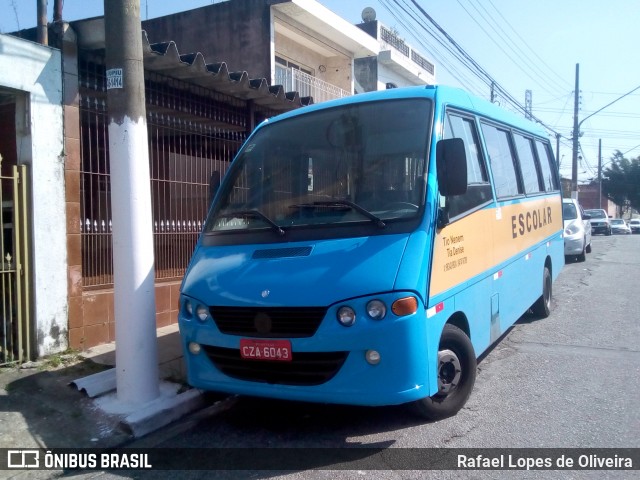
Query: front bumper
{"points": [[600, 228], [401, 375], [574, 245]]}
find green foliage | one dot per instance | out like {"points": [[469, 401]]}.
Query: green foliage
{"points": [[621, 181]]}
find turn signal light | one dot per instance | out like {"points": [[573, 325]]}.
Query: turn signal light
{"points": [[405, 306]]}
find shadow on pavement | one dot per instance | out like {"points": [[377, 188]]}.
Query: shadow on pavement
{"points": [[39, 409]]}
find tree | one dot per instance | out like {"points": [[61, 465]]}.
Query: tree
{"points": [[621, 181]]}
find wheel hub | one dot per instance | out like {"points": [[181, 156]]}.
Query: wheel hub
{"points": [[449, 371]]}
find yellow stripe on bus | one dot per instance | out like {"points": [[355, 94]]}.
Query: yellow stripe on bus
{"points": [[488, 237]]}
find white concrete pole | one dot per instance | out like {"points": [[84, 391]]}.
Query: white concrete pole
{"points": [[133, 261]]}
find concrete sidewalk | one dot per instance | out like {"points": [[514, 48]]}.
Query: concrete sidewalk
{"points": [[40, 407]]}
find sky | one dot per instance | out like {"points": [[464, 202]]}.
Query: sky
{"points": [[522, 44]]}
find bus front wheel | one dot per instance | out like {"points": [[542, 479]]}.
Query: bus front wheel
{"points": [[456, 376]]}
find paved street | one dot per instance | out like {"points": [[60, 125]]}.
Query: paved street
{"points": [[571, 380]]}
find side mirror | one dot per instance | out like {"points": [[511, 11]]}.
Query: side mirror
{"points": [[451, 160], [214, 185]]}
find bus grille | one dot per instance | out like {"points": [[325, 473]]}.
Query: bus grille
{"points": [[273, 322], [305, 368]]}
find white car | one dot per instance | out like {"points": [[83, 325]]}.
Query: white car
{"points": [[577, 230], [600, 222], [634, 225], [618, 225]]}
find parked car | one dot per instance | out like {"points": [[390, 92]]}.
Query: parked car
{"points": [[634, 224], [600, 222], [577, 230], [618, 225]]}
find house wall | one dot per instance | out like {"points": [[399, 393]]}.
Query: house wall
{"points": [[404, 73], [386, 75], [337, 67], [234, 32], [366, 74], [589, 197], [36, 70]]}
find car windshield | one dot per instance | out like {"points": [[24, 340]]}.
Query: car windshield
{"points": [[596, 213], [357, 164], [635, 222], [569, 211], [617, 221]]}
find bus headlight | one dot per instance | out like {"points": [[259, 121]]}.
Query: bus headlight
{"points": [[202, 313], [346, 316], [188, 307], [376, 309]]}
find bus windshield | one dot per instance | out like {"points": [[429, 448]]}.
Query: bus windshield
{"points": [[360, 163]]}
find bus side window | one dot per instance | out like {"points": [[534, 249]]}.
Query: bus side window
{"points": [[528, 168], [547, 167], [478, 186], [502, 161]]}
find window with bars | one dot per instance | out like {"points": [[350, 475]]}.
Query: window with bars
{"points": [[192, 132]]}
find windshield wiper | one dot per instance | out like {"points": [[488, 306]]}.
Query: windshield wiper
{"points": [[254, 213], [343, 203]]}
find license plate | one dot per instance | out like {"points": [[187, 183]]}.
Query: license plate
{"points": [[266, 350]]}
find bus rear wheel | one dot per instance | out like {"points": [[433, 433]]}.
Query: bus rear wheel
{"points": [[456, 376], [542, 307]]}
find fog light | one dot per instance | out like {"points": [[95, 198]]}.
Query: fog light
{"points": [[194, 348], [346, 316], [372, 356]]}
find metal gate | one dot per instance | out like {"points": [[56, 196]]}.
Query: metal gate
{"points": [[15, 335]]}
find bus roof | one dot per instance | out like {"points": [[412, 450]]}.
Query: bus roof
{"points": [[442, 94]]}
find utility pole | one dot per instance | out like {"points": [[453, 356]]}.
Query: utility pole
{"points": [[42, 30], [600, 173], [137, 380], [575, 136], [576, 129]]}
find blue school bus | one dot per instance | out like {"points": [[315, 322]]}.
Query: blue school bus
{"points": [[367, 250]]}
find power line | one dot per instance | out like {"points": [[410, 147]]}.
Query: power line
{"points": [[563, 84], [527, 67], [474, 66], [437, 48]]}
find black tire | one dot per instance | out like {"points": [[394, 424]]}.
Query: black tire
{"points": [[589, 248], [583, 256], [542, 306], [456, 376], [608, 232]]}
